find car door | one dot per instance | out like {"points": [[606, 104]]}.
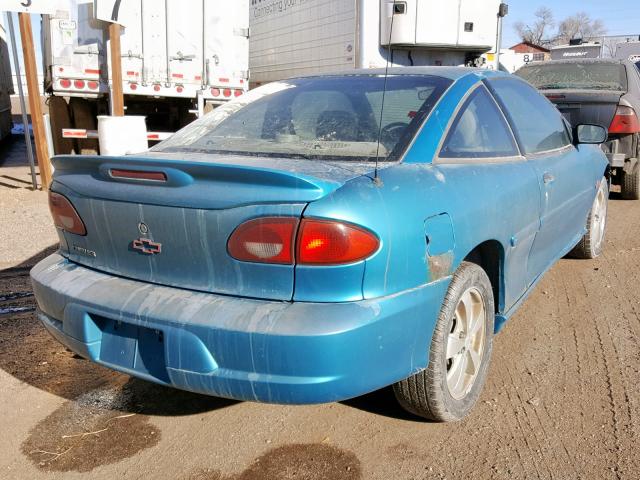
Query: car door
{"points": [[495, 186], [566, 190]]}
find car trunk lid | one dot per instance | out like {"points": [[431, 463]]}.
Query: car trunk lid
{"points": [[166, 218], [586, 106]]}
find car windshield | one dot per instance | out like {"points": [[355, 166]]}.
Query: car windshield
{"points": [[582, 76], [332, 117]]}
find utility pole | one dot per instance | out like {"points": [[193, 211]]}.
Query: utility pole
{"points": [[117, 98], [35, 108], [23, 104], [503, 10]]}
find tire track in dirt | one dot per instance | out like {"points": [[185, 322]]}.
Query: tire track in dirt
{"points": [[623, 340], [613, 407], [548, 320], [593, 403]]}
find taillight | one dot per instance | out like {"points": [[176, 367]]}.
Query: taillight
{"points": [[324, 242], [78, 84], [215, 92], [238, 93], [65, 83], [64, 215], [625, 121], [226, 92], [317, 242], [264, 240], [93, 85]]}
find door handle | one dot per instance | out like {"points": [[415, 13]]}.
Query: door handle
{"points": [[548, 178]]}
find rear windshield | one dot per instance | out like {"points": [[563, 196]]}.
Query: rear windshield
{"points": [[337, 118], [584, 76]]}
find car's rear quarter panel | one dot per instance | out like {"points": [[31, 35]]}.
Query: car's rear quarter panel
{"points": [[484, 202]]}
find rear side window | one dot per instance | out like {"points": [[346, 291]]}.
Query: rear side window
{"points": [[479, 131], [537, 123]]}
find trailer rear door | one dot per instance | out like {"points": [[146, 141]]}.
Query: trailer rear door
{"points": [[185, 40], [226, 42]]}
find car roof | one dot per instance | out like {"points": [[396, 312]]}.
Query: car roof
{"points": [[452, 73]]}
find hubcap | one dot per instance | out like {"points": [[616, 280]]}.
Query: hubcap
{"points": [[599, 218], [465, 343]]}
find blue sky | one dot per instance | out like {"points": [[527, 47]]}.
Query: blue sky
{"points": [[620, 17], [35, 25]]}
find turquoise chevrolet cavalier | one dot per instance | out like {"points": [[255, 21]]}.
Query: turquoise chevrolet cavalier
{"points": [[326, 236]]}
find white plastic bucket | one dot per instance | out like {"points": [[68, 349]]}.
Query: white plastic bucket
{"points": [[122, 135]]}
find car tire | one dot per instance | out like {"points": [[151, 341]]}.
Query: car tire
{"points": [[592, 242], [630, 187], [446, 390]]}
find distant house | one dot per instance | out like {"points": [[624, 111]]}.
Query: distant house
{"points": [[511, 59], [537, 52]]}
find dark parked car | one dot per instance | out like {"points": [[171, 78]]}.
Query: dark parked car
{"points": [[600, 91]]}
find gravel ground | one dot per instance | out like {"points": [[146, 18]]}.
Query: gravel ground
{"points": [[561, 401], [26, 224]]}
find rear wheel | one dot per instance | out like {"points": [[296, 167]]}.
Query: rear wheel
{"points": [[630, 186], [460, 351], [592, 242]]}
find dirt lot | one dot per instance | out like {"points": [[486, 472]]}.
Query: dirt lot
{"points": [[562, 399]]}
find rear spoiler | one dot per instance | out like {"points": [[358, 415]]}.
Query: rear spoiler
{"points": [[181, 183]]}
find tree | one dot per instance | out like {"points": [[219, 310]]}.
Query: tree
{"points": [[580, 25], [538, 32]]}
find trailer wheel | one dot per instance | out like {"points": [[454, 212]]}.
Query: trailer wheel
{"points": [[631, 183], [84, 118], [60, 118]]}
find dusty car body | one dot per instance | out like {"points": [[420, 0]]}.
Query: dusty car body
{"points": [[600, 91], [262, 255]]}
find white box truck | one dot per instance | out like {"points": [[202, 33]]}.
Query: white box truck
{"points": [[177, 55], [628, 51], [294, 37]]}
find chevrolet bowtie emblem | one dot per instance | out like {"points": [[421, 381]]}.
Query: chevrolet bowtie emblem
{"points": [[146, 246]]}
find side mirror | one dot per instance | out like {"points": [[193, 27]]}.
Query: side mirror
{"points": [[593, 134]]}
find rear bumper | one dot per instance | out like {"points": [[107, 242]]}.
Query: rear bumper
{"points": [[616, 159], [620, 148], [277, 352]]}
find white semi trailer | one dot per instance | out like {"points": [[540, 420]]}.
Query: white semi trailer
{"points": [[294, 37], [177, 56], [6, 87]]}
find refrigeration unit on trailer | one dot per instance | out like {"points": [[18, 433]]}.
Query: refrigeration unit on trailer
{"points": [[295, 37], [177, 55]]}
